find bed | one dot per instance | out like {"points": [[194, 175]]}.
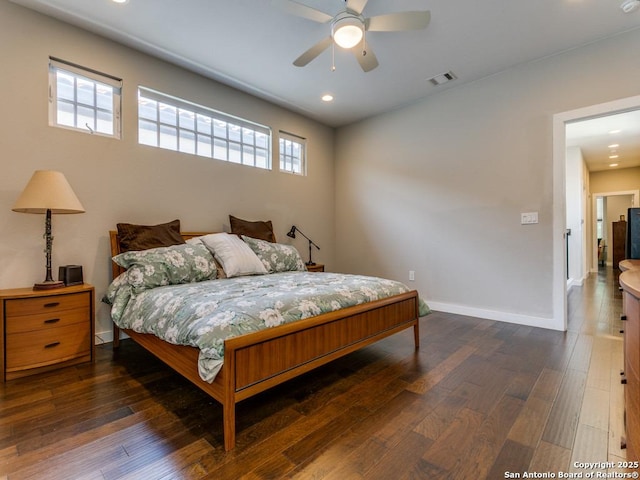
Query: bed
{"points": [[256, 361]]}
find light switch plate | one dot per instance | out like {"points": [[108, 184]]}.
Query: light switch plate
{"points": [[529, 218]]}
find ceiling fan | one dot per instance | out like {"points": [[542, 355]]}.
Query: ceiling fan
{"points": [[348, 28]]}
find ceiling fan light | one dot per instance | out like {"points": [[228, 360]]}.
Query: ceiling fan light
{"points": [[347, 32], [629, 6]]}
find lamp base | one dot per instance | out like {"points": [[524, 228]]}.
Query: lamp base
{"points": [[48, 284], [310, 263]]}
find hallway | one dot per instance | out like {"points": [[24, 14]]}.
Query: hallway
{"points": [[594, 312]]}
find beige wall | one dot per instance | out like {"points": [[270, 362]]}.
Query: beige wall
{"points": [[615, 180], [438, 187], [121, 181]]}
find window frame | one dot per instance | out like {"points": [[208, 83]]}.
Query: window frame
{"points": [[283, 155], [241, 140], [97, 79]]}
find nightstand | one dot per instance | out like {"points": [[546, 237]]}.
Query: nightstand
{"points": [[316, 267], [43, 330]]}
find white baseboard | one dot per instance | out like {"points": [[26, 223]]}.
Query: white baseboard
{"points": [[572, 282], [499, 316]]}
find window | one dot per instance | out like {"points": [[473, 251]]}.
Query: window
{"points": [[292, 154], [182, 126], [83, 99]]}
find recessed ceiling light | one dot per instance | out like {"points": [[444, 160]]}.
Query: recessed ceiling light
{"points": [[613, 164], [614, 131], [327, 98], [119, 1], [613, 156], [613, 145]]}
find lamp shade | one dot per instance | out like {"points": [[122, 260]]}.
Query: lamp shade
{"points": [[48, 190]]}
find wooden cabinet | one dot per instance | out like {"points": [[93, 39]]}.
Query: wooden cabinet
{"points": [[316, 267], [45, 329], [619, 241], [630, 282]]}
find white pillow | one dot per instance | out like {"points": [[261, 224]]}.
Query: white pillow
{"points": [[234, 255]]}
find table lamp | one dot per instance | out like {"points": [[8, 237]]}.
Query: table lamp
{"points": [[48, 192], [292, 234]]}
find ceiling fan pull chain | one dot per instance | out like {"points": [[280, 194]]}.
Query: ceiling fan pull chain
{"points": [[333, 57], [364, 43]]}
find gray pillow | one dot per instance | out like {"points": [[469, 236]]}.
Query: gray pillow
{"points": [[167, 266], [276, 257]]}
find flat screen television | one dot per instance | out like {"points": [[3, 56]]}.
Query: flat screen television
{"points": [[632, 249]]}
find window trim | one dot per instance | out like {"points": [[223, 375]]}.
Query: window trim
{"points": [[94, 76], [291, 137], [213, 115]]}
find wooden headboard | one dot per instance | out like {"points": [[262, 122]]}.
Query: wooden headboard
{"points": [[115, 247]]}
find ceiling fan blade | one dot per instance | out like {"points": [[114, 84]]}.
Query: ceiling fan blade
{"points": [[366, 58], [395, 22], [313, 52], [300, 10], [357, 5]]}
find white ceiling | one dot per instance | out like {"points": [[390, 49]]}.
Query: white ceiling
{"points": [[596, 138], [251, 44]]}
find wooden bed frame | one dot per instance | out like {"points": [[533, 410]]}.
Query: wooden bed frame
{"points": [[258, 361]]}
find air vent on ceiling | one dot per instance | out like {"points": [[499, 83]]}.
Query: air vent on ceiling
{"points": [[443, 78]]}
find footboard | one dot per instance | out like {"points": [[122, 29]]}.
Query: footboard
{"points": [[258, 361], [272, 356]]}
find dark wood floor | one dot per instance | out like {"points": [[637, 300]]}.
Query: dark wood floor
{"points": [[479, 399]]}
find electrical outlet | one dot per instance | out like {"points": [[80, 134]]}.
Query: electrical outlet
{"points": [[529, 218], [412, 275]]}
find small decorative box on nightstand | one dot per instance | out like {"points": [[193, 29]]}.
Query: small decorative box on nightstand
{"points": [[45, 329], [316, 267]]}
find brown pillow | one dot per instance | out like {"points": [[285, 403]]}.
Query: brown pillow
{"points": [[259, 230], [143, 237]]}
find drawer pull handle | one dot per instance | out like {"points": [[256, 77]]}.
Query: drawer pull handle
{"points": [[52, 304], [52, 320], [51, 345]]}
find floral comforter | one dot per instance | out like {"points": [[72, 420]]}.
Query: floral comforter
{"points": [[206, 313]]}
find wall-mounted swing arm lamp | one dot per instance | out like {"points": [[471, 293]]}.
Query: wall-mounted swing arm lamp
{"points": [[292, 234], [48, 192]]}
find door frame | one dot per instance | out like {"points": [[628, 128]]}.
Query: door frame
{"points": [[559, 287], [635, 194]]}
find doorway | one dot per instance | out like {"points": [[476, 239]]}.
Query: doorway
{"points": [[607, 207], [559, 196]]}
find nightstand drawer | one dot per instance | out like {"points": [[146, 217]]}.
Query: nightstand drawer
{"points": [[48, 320], [316, 267], [47, 346], [36, 305]]}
